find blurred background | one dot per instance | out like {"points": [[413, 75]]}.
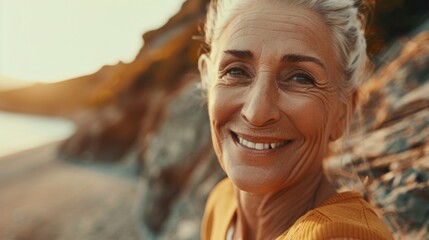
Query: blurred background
{"points": [[104, 134]]}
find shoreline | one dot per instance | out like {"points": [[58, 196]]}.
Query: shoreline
{"points": [[36, 149]]}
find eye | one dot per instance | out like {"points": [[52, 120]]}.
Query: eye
{"points": [[236, 72], [235, 75], [302, 78]]}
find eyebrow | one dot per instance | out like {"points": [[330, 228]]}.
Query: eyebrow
{"points": [[296, 58], [244, 54], [288, 58]]}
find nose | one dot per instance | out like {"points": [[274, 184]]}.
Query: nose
{"points": [[260, 106]]}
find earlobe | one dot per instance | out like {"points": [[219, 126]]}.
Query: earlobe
{"points": [[202, 67]]}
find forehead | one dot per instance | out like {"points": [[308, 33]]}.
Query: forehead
{"points": [[270, 28]]}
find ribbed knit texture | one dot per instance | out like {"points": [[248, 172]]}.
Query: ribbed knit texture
{"points": [[344, 216]]}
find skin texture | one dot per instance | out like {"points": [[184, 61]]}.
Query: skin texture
{"points": [[272, 76]]}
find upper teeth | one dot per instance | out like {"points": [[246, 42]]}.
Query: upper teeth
{"points": [[260, 146]]}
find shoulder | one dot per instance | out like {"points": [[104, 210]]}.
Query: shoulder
{"points": [[346, 215], [219, 211], [220, 193]]}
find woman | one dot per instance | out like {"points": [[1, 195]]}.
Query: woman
{"points": [[282, 78]]}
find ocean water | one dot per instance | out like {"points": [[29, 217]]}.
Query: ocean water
{"points": [[22, 131]]}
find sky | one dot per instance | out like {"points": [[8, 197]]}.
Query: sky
{"points": [[53, 40]]}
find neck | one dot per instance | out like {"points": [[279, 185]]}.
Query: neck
{"points": [[266, 216]]}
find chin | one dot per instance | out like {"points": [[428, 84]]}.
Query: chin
{"points": [[254, 180]]}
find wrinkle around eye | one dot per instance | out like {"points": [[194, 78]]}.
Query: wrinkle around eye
{"points": [[319, 78], [305, 88], [234, 81], [322, 85], [297, 78], [235, 74]]}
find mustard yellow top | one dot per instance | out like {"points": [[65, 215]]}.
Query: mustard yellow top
{"points": [[344, 216]]}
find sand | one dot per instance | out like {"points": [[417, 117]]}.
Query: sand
{"points": [[42, 197]]}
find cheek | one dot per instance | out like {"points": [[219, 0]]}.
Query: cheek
{"points": [[224, 104], [310, 113], [223, 107]]}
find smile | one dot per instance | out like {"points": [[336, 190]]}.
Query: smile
{"points": [[259, 145]]}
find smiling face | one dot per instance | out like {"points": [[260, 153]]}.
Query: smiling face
{"points": [[273, 95]]}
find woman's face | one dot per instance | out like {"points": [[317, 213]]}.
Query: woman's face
{"points": [[273, 96]]}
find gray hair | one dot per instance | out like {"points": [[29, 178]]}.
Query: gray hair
{"points": [[346, 19]]}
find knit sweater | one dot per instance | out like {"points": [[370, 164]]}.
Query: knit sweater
{"points": [[344, 216]]}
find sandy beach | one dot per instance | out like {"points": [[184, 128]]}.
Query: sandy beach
{"points": [[42, 197]]}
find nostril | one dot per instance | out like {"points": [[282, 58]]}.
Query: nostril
{"points": [[260, 115]]}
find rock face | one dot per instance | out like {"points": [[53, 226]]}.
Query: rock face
{"points": [[133, 106], [179, 171], [401, 129], [393, 149]]}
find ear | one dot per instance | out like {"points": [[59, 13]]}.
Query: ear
{"points": [[202, 67], [343, 117]]}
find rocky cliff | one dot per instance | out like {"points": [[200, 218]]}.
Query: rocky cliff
{"points": [[133, 102], [388, 150]]}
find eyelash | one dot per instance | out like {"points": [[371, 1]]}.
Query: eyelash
{"points": [[237, 69], [229, 76], [307, 79]]}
